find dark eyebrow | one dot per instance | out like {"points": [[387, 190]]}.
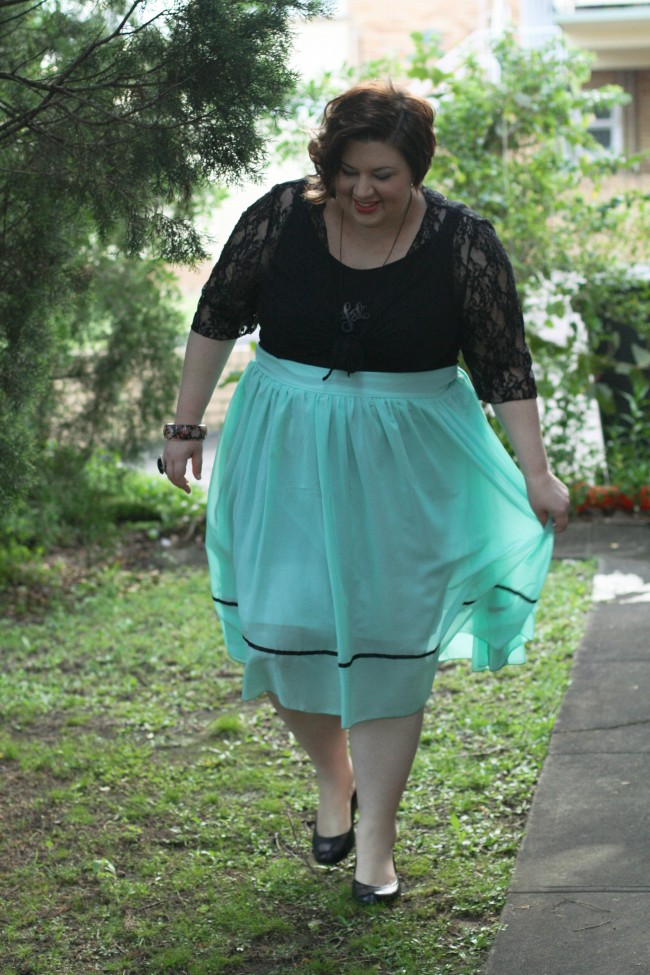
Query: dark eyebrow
{"points": [[377, 169]]}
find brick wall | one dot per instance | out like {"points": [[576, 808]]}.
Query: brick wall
{"points": [[383, 27]]}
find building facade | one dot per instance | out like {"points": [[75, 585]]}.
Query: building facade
{"points": [[616, 31], [619, 35]]}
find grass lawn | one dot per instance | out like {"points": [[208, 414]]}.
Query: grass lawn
{"points": [[152, 823]]}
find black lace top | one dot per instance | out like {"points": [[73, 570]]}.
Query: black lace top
{"points": [[453, 292]]}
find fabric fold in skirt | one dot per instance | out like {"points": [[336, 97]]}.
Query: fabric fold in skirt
{"points": [[363, 529]]}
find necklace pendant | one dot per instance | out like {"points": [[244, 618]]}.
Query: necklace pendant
{"points": [[351, 314]]}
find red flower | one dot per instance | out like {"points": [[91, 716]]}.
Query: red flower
{"points": [[608, 497]]}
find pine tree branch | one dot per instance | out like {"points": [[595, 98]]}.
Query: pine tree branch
{"points": [[55, 87]]}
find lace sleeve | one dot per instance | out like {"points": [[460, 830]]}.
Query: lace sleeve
{"points": [[227, 307], [493, 344]]}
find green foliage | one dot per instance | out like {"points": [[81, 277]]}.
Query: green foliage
{"points": [[81, 501], [112, 115], [174, 820], [616, 308], [136, 107], [626, 441], [615, 298], [114, 360], [515, 146]]}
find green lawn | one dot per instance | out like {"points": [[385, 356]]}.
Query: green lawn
{"points": [[152, 823]]}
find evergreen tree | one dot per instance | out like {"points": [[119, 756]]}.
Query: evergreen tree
{"points": [[112, 115]]}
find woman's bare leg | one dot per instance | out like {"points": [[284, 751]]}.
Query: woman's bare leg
{"points": [[382, 755], [326, 743]]}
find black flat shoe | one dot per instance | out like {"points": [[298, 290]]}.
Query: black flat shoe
{"points": [[367, 894], [329, 850]]}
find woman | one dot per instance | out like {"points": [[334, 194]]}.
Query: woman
{"points": [[364, 522]]}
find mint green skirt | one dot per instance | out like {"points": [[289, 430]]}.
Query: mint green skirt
{"points": [[363, 529]]}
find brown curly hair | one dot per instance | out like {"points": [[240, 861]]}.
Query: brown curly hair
{"points": [[373, 110]]}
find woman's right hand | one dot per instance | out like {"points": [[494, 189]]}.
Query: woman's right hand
{"points": [[175, 457], [204, 362], [549, 498]]}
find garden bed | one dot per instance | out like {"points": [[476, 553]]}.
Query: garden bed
{"points": [[609, 498]]}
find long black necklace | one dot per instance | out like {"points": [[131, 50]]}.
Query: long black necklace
{"points": [[350, 314], [392, 246], [347, 350]]}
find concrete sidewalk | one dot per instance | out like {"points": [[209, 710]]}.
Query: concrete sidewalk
{"points": [[579, 902]]}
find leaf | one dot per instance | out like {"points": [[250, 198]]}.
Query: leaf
{"points": [[232, 377], [641, 356], [104, 868]]}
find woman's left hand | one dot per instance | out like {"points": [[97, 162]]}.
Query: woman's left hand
{"points": [[549, 498], [175, 457]]}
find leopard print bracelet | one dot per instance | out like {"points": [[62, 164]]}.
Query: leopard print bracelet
{"points": [[184, 431]]}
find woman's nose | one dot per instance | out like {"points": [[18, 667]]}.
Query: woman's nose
{"points": [[364, 188]]}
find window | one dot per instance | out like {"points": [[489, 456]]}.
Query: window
{"points": [[607, 128]]}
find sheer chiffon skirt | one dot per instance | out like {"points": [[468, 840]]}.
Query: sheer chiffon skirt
{"points": [[363, 529]]}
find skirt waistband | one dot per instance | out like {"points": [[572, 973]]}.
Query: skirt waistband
{"points": [[428, 383]]}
